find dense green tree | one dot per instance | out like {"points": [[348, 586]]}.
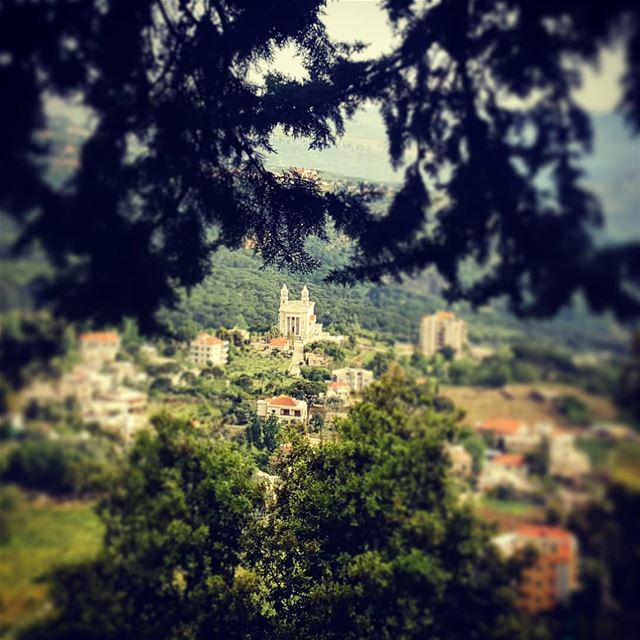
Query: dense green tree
{"points": [[379, 363], [60, 468], [253, 431], [573, 409], [170, 566], [448, 353], [244, 382], [308, 390], [316, 423], [316, 374], [271, 433], [43, 466], [367, 538], [264, 433], [160, 385], [212, 372]]}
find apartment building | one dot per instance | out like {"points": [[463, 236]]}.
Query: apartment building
{"points": [[442, 329]]}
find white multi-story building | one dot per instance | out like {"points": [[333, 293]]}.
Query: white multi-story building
{"points": [[442, 329], [207, 349], [357, 379], [285, 408], [297, 318]]}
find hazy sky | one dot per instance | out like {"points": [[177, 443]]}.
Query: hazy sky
{"points": [[351, 20]]}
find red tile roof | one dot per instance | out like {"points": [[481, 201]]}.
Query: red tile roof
{"points": [[279, 342], [445, 315], [205, 338], [542, 532], [504, 426], [337, 385], [509, 459], [105, 337], [283, 401]]}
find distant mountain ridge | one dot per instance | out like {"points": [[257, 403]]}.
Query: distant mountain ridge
{"points": [[612, 171]]}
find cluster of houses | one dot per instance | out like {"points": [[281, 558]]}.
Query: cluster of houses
{"points": [[509, 440], [345, 383], [105, 390]]}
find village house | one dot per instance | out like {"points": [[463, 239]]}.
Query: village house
{"points": [[513, 434], [312, 359], [498, 429], [554, 574], [285, 408], [339, 389], [208, 350], [357, 379], [442, 329], [99, 346], [279, 344], [121, 411], [505, 470]]}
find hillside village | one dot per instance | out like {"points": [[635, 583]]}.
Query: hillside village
{"points": [[526, 460]]}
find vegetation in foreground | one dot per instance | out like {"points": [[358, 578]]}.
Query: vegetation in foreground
{"points": [[38, 536], [366, 537]]}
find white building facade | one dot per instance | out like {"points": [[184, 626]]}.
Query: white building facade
{"points": [[285, 408], [207, 349], [99, 346], [357, 379], [297, 318], [442, 329]]}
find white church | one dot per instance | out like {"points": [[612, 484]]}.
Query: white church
{"points": [[297, 318]]}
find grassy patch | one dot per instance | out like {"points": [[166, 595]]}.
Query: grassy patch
{"points": [[626, 465], [42, 536], [516, 508], [251, 362], [598, 451]]}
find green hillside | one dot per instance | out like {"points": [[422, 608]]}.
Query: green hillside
{"points": [[240, 292]]}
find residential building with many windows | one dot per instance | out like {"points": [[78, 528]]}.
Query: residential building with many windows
{"points": [[357, 379], [207, 349], [554, 574], [442, 329]]}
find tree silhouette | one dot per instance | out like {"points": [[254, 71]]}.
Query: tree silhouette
{"points": [[476, 99], [478, 102]]}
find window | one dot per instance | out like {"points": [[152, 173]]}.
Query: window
{"points": [[285, 412], [296, 413]]}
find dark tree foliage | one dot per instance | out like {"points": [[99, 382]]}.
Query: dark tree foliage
{"points": [[609, 536], [30, 346], [477, 100], [169, 566], [367, 538], [174, 166], [628, 392]]}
